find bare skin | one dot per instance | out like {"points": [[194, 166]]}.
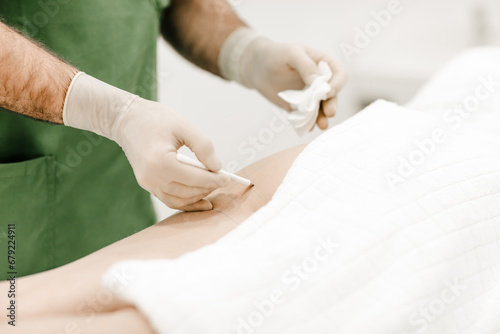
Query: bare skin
{"points": [[33, 82], [201, 42], [69, 295]]}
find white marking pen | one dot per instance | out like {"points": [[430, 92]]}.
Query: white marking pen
{"points": [[187, 160]]}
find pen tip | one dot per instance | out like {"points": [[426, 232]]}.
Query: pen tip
{"points": [[252, 185]]}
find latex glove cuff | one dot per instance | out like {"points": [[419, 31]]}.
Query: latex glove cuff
{"points": [[232, 52], [96, 106]]}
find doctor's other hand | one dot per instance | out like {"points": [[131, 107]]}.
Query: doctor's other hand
{"points": [[150, 134], [269, 67]]}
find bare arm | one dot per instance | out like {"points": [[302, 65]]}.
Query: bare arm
{"points": [[198, 28], [33, 82]]}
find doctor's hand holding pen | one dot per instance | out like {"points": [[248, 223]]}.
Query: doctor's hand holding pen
{"points": [[37, 84], [48, 89]]}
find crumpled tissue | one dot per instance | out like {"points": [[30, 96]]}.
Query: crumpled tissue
{"points": [[305, 103]]}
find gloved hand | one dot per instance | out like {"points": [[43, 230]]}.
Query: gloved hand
{"points": [[150, 134], [269, 67]]}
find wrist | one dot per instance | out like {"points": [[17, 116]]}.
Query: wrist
{"points": [[96, 106], [234, 56], [68, 74], [253, 62]]}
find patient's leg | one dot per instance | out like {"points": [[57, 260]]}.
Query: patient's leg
{"points": [[124, 321], [75, 289]]}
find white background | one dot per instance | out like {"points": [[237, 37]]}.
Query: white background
{"points": [[397, 61]]}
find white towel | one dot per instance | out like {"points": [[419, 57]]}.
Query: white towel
{"points": [[342, 249]]}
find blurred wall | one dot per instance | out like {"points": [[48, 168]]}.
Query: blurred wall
{"points": [[389, 48]]}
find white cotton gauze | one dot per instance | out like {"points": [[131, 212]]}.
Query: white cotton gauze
{"points": [[305, 103]]}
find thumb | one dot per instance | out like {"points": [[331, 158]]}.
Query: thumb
{"points": [[204, 150], [303, 63]]}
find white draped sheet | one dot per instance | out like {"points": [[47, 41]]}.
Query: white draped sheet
{"points": [[342, 247]]}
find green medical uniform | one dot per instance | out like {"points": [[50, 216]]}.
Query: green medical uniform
{"points": [[69, 192]]}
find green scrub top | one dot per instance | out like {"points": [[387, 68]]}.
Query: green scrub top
{"points": [[65, 192]]}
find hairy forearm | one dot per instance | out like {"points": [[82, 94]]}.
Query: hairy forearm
{"points": [[198, 28], [33, 82]]}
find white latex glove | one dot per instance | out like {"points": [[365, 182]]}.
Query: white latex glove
{"points": [[270, 67], [150, 135]]}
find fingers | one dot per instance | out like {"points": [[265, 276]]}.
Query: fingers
{"points": [[339, 75], [201, 205], [322, 120], [182, 191], [304, 65], [191, 185], [194, 176], [203, 148], [329, 107], [338, 81], [185, 204]]}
